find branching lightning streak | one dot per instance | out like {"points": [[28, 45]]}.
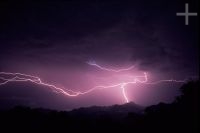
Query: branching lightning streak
{"points": [[136, 79], [33, 79], [20, 77]]}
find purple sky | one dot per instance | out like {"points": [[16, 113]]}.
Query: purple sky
{"points": [[54, 40]]}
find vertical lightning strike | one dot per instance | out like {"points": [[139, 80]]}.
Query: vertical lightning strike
{"points": [[123, 91], [20, 77]]}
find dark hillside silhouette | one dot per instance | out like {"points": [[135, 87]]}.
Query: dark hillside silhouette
{"points": [[179, 116]]}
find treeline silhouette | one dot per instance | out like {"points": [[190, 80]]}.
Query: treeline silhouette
{"points": [[177, 117]]}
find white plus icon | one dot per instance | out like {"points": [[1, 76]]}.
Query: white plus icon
{"points": [[186, 14]]}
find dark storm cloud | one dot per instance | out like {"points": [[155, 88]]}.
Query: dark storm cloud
{"points": [[30, 27], [58, 20], [92, 30]]}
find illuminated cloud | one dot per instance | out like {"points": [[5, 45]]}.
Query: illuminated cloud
{"points": [[53, 41]]}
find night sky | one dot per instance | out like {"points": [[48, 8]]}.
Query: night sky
{"points": [[55, 40]]}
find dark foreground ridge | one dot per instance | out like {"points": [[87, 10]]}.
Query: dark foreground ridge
{"points": [[177, 117]]}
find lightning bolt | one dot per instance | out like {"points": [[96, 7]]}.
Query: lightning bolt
{"points": [[6, 77], [135, 79], [93, 63]]}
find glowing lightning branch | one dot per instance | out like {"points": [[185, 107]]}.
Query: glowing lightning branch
{"points": [[93, 63], [135, 79], [6, 77], [124, 93], [19, 77]]}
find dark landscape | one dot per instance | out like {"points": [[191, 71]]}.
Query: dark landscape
{"points": [[179, 116]]}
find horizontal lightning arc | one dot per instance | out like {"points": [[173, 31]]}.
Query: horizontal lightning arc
{"points": [[92, 63], [20, 77]]}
